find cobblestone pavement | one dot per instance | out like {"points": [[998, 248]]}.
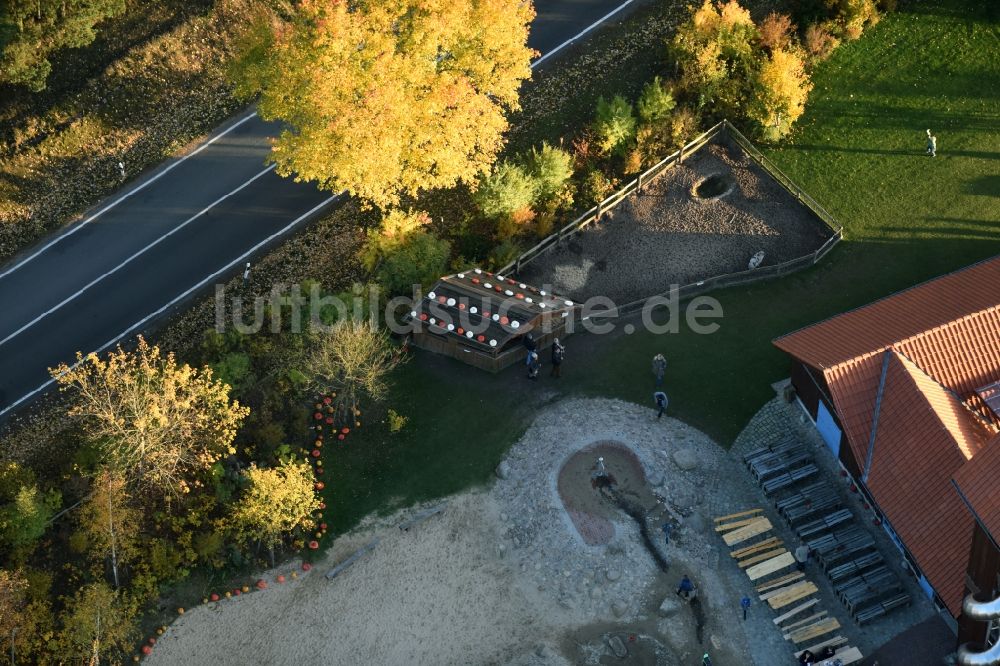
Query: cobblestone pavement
{"points": [[773, 423]]}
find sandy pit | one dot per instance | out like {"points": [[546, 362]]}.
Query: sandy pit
{"points": [[503, 575]]}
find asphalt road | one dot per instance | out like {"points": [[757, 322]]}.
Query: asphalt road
{"points": [[170, 235]]}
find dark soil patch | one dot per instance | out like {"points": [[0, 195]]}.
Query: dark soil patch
{"points": [[714, 186]]}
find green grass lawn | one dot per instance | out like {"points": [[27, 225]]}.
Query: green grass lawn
{"points": [[859, 150]]}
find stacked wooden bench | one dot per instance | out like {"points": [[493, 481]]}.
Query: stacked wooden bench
{"points": [[827, 522], [853, 567], [761, 554], [882, 607], [776, 463], [788, 478], [868, 589], [843, 544]]}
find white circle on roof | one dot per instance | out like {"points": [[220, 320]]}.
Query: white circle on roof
{"points": [[499, 277], [413, 313], [433, 320], [528, 299], [515, 324], [487, 285], [451, 301], [478, 271], [569, 302], [542, 293], [473, 309], [431, 294], [522, 286], [451, 327], [541, 305], [468, 334], [461, 275], [509, 292], [493, 343], [496, 317]]}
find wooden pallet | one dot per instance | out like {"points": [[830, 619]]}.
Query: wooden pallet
{"points": [[778, 582], [760, 558], [792, 593], [721, 519], [797, 609], [811, 631], [773, 542], [778, 563], [757, 526]]}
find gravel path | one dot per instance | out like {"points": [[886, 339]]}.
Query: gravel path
{"points": [[667, 236]]}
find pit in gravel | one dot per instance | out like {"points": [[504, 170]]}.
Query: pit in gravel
{"points": [[589, 511], [713, 187], [668, 236]]}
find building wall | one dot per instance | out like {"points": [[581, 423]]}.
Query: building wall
{"points": [[811, 388], [982, 579]]}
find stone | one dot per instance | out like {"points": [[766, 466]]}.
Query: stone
{"points": [[716, 642], [501, 549], [503, 470], [670, 606], [617, 647], [613, 574], [541, 650], [503, 517], [596, 592], [695, 523], [616, 548], [686, 459], [658, 480], [618, 608]]}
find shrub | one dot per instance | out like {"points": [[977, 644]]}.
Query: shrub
{"points": [[422, 259], [233, 369], [24, 519], [656, 101], [596, 186], [503, 254], [633, 162], [614, 125], [684, 125], [854, 16], [819, 42], [782, 92], [509, 188], [551, 168], [393, 231], [396, 421], [776, 31]]}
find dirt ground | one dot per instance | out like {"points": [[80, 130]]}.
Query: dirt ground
{"points": [[669, 236], [502, 575]]}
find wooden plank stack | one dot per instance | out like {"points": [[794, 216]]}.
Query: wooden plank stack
{"points": [[789, 593]]}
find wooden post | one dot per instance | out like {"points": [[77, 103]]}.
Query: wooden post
{"points": [[517, 266], [597, 215], [638, 184], [680, 157]]}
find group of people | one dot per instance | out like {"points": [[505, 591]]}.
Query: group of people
{"points": [[807, 657], [533, 361]]}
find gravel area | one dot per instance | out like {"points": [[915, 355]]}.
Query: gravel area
{"points": [[669, 236]]}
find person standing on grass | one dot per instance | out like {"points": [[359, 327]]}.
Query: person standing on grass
{"points": [[660, 398], [801, 556], [534, 365], [931, 144], [558, 353], [659, 368]]}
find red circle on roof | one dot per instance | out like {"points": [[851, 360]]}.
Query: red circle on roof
{"points": [[461, 306], [475, 280], [486, 315], [496, 288], [423, 316], [504, 320], [460, 330], [441, 299], [481, 338], [519, 295], [511, 281]]}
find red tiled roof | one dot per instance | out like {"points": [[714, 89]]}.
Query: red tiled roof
{"points": [[977, 480], [914, 311], [923, 436]]}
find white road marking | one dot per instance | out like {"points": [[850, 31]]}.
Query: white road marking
{"points": [[558, 48], [134, 256], [583, 32], [184, 295], [146, 183]]}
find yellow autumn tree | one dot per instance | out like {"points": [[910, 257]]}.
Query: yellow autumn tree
{"points": [[13, 588], [386, 98], [156, 421], [109, 523], [277, 501], [783, 91], [99, 625]]}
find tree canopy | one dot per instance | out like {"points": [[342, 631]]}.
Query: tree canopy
{"points": [[30, 30], [277, 501], [154, 420], [384, 99]]}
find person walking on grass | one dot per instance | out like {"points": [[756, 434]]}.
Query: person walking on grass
{"points": [[659, 368], [558, 353], [931, 144], [660, 398]]}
